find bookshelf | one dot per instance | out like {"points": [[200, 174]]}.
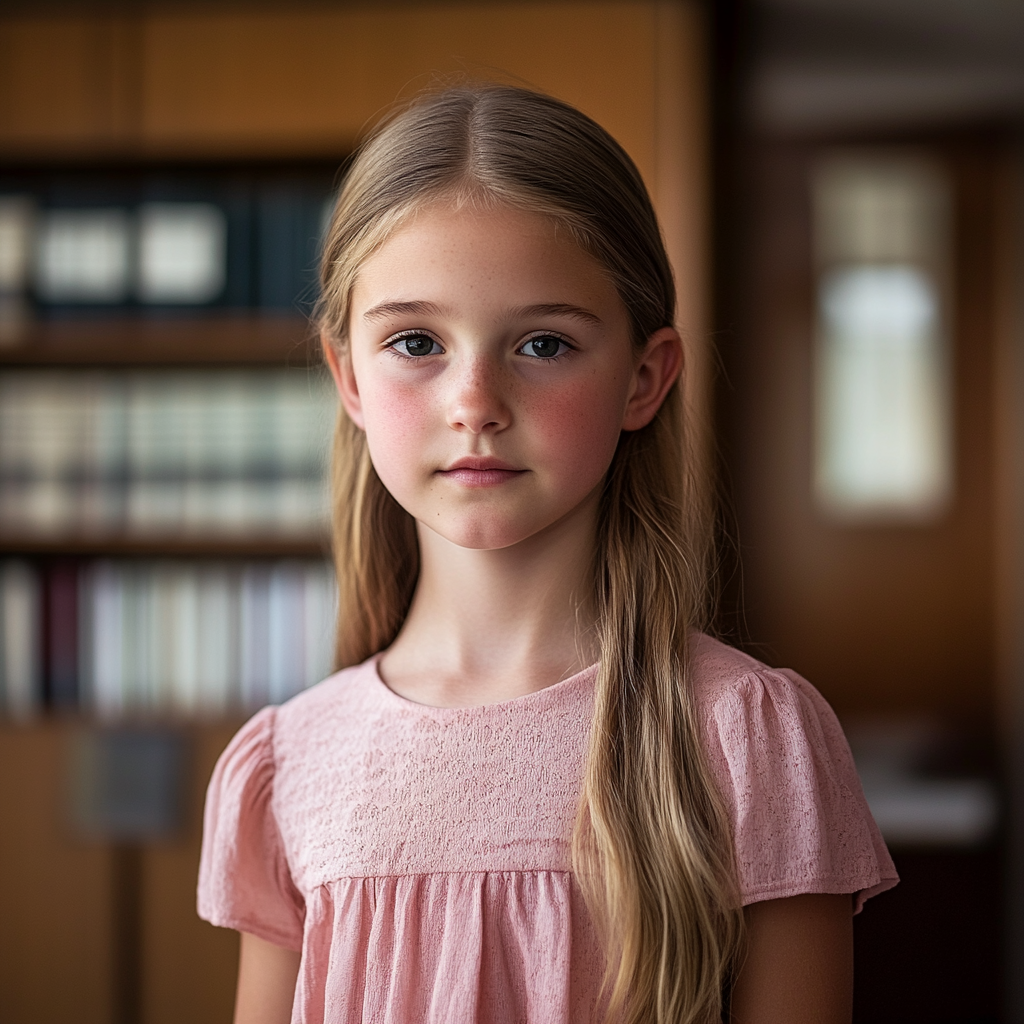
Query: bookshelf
{"points": [[164, 422], [229, 340]]}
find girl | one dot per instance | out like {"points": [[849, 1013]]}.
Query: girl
{"points": [[535, 792]]}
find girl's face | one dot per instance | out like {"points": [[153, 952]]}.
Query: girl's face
{"points": [[491, 367]]}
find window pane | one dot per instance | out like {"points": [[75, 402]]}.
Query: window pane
{"points": [[883, 436]]}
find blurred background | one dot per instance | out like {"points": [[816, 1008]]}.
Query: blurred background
{"points": [[840, 185]]}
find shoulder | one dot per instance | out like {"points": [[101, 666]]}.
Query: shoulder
{"points": [[800, 822], [721, 673], [275, 731], [761, 723], [738, 697]]}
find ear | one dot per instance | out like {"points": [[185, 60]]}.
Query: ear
{"points": [[344, 380], [656, 371]]}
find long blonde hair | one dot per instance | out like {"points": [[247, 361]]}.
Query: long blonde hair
{"points": [[651, 849]]}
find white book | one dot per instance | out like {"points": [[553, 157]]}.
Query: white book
{"points": [[141, 428], [227, 504], [320, 621], [287, 595], [196, 398], [228, 439], [107, 640], [107, 461], [217, 640], [54, 424], [137, 638], [182, 252], [184, 695], [164, 627], [255, 635], [260, 422], [21, 642], [83, 255]]}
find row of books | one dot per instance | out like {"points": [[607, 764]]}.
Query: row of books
{"points": [[167, 452], [74, 241], [137, 639]]}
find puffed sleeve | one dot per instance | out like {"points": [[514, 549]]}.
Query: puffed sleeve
{"points": [[801, 823], [244, 881]]}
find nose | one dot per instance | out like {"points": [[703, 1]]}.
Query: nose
{"points": [[478, 399]]}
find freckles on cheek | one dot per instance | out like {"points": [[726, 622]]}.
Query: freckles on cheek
{"points": [[585, 424]]}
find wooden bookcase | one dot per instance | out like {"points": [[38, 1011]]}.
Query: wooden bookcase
{"points": [[271, 83], [218, 340]]}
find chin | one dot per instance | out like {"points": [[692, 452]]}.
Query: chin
{"points": [[477, 536]]}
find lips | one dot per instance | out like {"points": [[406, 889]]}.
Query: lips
{"points": [[480, 472]]}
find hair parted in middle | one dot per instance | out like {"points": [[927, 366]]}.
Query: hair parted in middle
{"points": [[652, 849]]}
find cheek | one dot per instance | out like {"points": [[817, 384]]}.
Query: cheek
{"points": [[582, 423], [396, 422]]}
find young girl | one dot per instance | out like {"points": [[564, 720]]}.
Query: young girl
{"points": [[535, 793]]}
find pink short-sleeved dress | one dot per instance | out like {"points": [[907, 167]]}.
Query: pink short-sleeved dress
{"points": [[419, 856]]}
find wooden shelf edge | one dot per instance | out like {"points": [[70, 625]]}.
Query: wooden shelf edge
{"points": [[216, 340], [165, 547]]}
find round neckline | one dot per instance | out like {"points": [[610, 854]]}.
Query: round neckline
{"points": [[554, 689]]}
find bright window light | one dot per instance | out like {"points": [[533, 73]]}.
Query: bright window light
{"points": [[181, 253], [883, 445]]}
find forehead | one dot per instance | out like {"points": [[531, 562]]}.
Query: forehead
{"points": [[483, 256]]}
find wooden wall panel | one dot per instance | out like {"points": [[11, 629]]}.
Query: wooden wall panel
{"points": [[65, 85], [311, 81], [188, 966], [883, 619], [55, 895]]}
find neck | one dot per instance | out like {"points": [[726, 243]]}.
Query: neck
{"points": [[487, 626]]}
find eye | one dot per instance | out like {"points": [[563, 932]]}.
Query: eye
{"points": [[416, 345], [544, 346]]}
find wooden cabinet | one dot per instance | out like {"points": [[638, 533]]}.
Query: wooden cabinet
{"points": [[56, 924], [61, 899]]}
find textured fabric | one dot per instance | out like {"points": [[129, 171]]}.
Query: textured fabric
{"points": [[419, 857]]}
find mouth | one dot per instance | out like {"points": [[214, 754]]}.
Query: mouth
{"points": [[480, 472]]}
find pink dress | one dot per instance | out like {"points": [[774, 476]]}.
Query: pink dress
{"points": [[419, 856]]}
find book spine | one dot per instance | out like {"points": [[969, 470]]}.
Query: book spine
{"points": [[21, 647], [155, 638], [61, 635]]}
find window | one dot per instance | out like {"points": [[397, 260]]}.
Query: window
{"points": [[883, 435]]}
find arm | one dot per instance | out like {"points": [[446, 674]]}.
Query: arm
{"points": [[266, 982], [798, 967]]}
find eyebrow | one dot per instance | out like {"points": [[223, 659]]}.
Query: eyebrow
{"points": [[563, 309], [387, 310]]}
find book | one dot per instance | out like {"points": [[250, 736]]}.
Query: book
{"points": [[61, 635], [165, 453], [21, 692], [76, 242], [201, 638]]}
